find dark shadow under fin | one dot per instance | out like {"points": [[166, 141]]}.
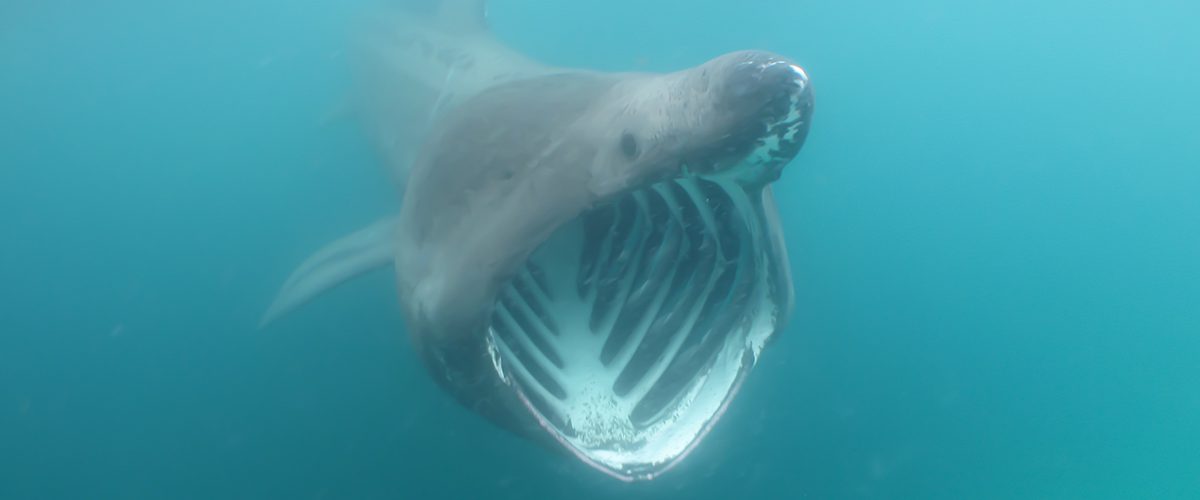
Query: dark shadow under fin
{"points": [[369, 248]]}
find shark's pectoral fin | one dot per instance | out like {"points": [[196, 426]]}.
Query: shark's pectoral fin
{"points": [[369, 248]]}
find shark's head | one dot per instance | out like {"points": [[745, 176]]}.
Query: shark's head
{"points": [[596, 261], [629, 330], [743, 115]]}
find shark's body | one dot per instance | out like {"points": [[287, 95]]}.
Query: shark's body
{"points": [[591, 260]]}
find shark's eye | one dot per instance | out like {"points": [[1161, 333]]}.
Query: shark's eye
{"points": [[629, 145]]}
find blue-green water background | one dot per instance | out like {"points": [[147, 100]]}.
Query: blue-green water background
{"points": [[994, 227]]}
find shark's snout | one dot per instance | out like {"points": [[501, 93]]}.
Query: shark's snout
{"points": [[764, 74], [764, 106], [762, 82]]}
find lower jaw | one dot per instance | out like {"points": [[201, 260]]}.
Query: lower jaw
{"points": [[627, 332]]}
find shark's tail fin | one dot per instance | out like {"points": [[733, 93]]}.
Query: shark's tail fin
{"points": [[419, 58]]}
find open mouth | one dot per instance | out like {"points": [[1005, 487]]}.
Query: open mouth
{"points": [[629, 330]]}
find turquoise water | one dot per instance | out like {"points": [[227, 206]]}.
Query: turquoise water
{"points": [[994, 227]]}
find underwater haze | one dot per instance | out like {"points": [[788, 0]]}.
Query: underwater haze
{"points": [[994, 229]]}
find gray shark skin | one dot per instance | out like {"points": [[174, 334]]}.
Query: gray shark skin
{"points": [[593, 261]]}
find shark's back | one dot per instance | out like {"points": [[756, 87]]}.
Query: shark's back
{"points": [[420, 58]]}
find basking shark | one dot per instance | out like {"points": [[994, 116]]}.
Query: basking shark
{"points": [[591, 260]]}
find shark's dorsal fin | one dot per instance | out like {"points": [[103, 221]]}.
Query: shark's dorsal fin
{"points": [[421, 58], [462, 15], [447, 15]]}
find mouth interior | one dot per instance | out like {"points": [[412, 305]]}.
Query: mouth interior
{"points": [[629, 330]]}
